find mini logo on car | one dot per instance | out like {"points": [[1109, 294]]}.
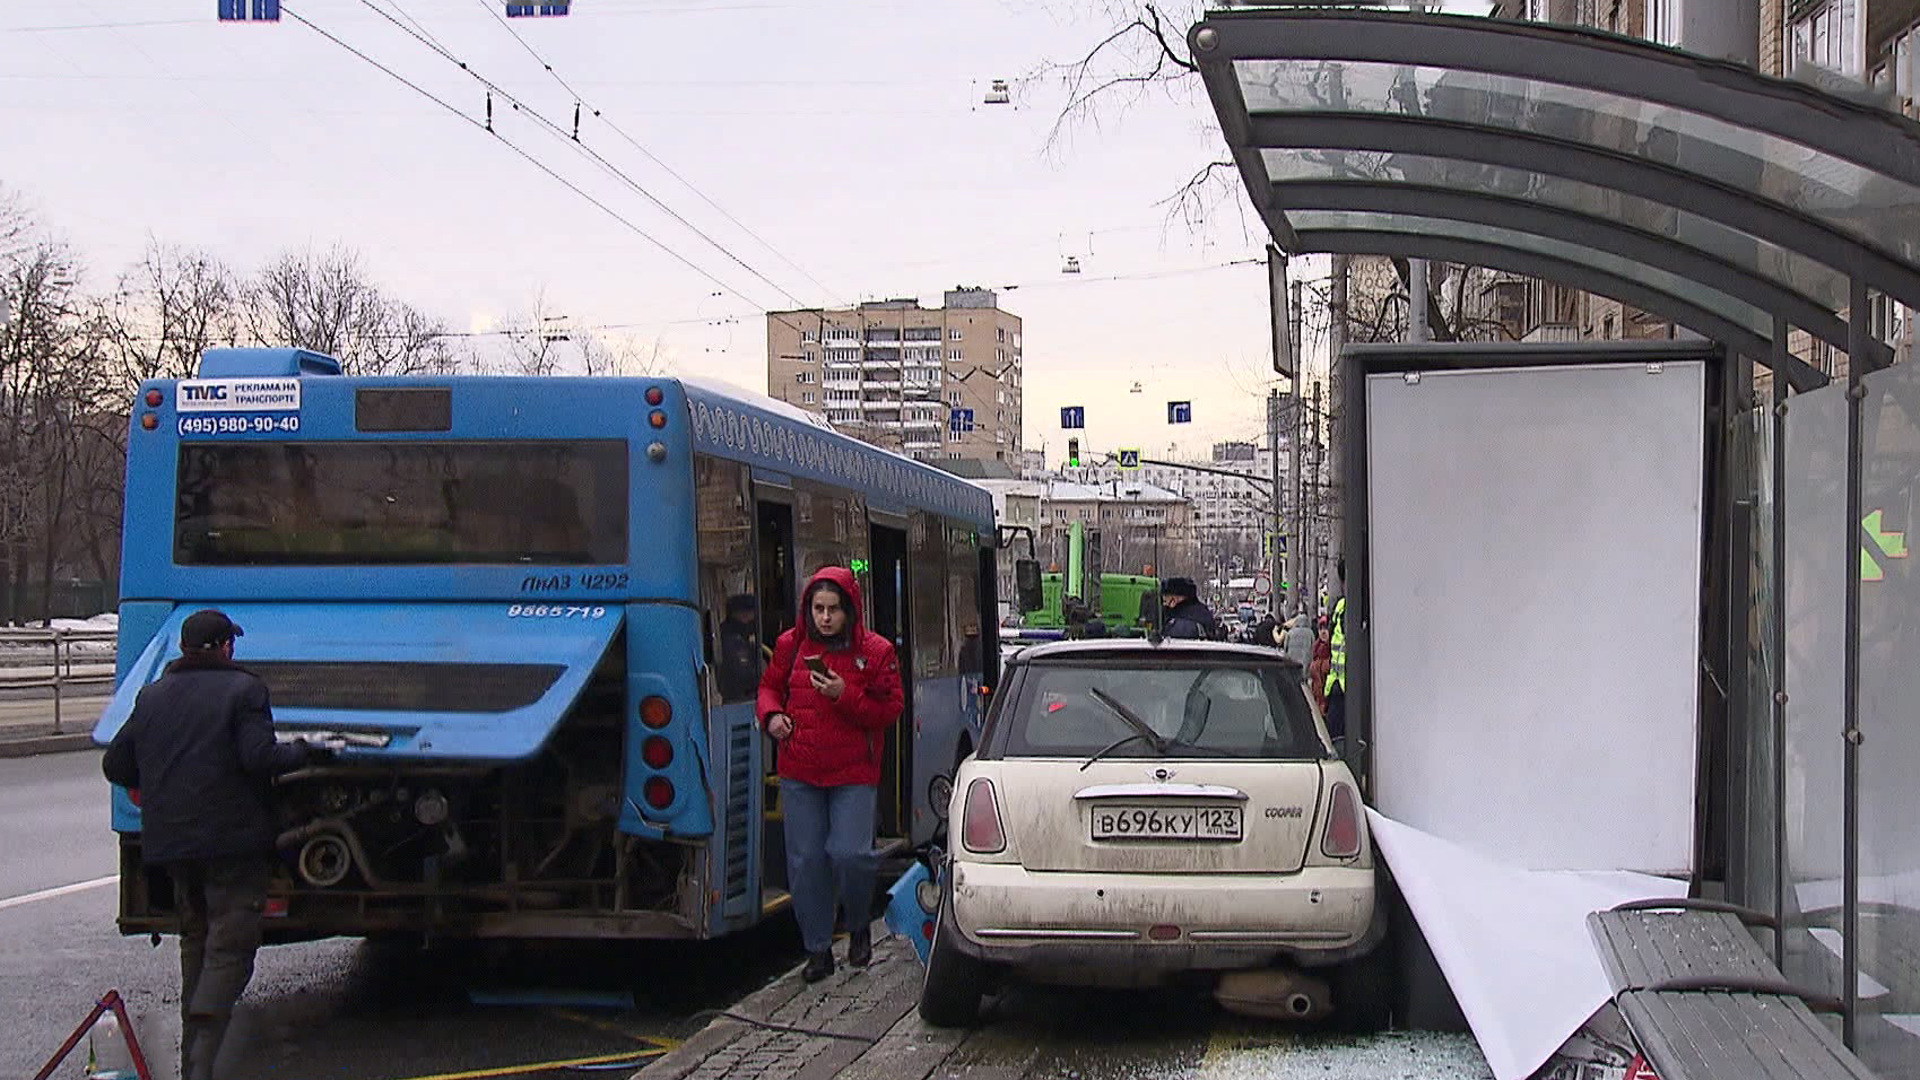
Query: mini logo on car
{"points": [[1163, 775]]}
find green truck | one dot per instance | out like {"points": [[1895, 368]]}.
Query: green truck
{"points": [[1117, 598]]}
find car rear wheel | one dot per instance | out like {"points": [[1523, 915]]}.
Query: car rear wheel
{"points": [[950, 994], [1363, 992]]}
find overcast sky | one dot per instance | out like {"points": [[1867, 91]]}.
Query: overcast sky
{"points": [[849, 136]]}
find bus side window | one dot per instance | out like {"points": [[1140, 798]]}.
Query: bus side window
{"points": [[963, 598], [927, 606], [729, 609]]}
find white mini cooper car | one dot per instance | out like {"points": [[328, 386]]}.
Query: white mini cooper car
{"points": [[1141, 811]]}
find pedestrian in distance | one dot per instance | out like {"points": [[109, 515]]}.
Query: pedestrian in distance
{"points": [[828, 697], [739, 659], [200, 752], [1296, 641], [1337, 667], [1320, 665], [1186, 616]]}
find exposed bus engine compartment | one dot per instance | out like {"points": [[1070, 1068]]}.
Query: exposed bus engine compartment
{"points": [[466, 849]]}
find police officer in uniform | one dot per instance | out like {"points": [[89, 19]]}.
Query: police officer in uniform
{"points": [[1337, 674]]}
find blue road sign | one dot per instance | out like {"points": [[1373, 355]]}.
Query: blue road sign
{"points": [[1179, 412], [249, 10], [1073, 416], [1129, 459], [960, 420]]}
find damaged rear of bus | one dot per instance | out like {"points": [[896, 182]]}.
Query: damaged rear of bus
{"points": [[482, 591]]}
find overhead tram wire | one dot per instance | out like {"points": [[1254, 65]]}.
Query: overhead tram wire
{"points": [[604, 164], [509, 144], [395, 4], [580, 101]]}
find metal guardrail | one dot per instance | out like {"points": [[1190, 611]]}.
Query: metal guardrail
{"points": [[27, 667]]}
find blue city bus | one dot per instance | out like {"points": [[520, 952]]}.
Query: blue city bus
{"points": [[522, 607]]}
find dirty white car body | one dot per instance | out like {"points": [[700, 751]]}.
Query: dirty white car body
{"points": [[1083, 851]]}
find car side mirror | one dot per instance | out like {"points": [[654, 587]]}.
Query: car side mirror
{"points": [[1026, 583]]}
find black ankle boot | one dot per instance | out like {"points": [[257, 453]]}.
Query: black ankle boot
{"points": [[819, 966], [860, 947]]}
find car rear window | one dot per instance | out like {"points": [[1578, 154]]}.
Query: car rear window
{"points": [[1205, 709]]}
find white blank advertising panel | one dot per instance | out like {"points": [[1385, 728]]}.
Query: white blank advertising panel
{"points": [[1535, 609]]}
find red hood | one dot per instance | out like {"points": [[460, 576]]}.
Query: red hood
{"points": [[844, 578]]}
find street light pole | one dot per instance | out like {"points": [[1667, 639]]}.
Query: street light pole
{"points": [[1271, 555]]}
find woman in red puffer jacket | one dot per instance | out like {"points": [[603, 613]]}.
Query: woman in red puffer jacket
{"points": [[828, 697]]}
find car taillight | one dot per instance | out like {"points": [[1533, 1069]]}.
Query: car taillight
{"points": [[655, 712], [659, 793], [980, 829], [657, 752], [1342, 837]]}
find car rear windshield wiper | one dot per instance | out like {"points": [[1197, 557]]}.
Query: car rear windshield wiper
{"points": [[1103, 751], [1141, 730]]}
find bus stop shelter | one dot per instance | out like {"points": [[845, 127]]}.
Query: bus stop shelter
{"points": [[1743, 208]]}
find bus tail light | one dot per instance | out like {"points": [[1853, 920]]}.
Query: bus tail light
{"points": [[1342, 837], [980, 830], [656, 711], [149, 421], [657, 752], [154, 398], [655, 395], [657, 418], [659, 792]]}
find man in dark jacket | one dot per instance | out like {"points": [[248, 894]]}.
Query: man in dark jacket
{"points": [[200, 753], [1186, 616]]}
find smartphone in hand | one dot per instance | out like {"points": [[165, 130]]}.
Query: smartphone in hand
{"points": [[818, 665]]}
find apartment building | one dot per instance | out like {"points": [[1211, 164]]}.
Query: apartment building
{"points": [[1227, 515], [937, 384]]}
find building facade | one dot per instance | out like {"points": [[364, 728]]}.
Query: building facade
{"points": [[932, 383], [1144, 528], [1228, 516]]}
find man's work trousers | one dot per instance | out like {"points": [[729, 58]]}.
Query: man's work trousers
{"points": [[219, 901]]}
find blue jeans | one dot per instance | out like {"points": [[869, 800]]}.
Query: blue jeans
{"points": [[829, 855]]}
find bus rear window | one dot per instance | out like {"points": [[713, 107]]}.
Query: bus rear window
{"points": [[373, 503]]}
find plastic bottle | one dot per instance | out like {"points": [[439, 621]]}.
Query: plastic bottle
{"points": [[108, 1057]]}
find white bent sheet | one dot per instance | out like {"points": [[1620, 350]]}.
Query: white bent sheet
{"points": [[1513, 943], [1534, 539]]}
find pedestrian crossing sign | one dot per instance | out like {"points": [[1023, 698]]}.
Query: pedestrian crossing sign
{"points": [[1129, 459]]}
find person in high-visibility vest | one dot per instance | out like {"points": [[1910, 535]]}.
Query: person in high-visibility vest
{"points": [[1336, 688]]}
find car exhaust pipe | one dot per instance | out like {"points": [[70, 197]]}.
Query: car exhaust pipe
{"points": [[1276, 993]]}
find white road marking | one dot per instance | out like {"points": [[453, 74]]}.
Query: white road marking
{"points": [[63, 890]]}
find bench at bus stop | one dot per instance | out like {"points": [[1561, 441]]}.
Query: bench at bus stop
{"points": [[1704, 1001]]}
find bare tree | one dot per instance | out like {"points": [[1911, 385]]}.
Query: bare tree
{"points": [[44, 371], [328, 304], [627, 356], [537, 340], [167, 310]]}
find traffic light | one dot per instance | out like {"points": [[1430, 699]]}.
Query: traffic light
{"points": [[1073, 453]]}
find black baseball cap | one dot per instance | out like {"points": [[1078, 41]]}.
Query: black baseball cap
{"points": [[207, 628]]}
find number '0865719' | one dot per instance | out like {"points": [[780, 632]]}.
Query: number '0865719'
{"points": [[555, 611]]}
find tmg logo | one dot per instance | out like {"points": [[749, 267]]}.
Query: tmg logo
{"points": [[190, 392]]}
